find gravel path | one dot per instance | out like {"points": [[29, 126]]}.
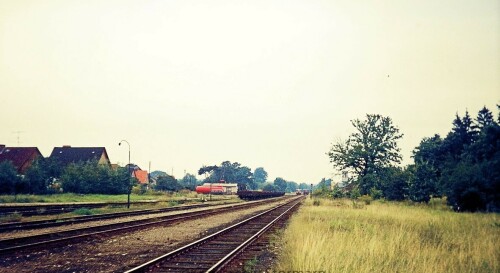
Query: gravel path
{"points": [[121, 252]]}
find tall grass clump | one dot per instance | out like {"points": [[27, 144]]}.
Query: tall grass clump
{"points": [[387, 237]]}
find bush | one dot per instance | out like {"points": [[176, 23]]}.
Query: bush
{"points": [[366, 199]]}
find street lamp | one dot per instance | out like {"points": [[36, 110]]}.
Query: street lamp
{"points": [[129, 173]]}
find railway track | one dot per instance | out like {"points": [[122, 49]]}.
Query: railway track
{"points": [[212, 253], [43, 240], [87, 218], [48, 209]]}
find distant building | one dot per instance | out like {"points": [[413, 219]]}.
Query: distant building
{"points": [[67, 154], [141, 175], [21, 157]]}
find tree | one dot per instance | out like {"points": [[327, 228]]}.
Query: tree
{"points": [[167, 183], [465, 166], [270, 187], [37, 178], [423, 183], [90, 177], [304, 186], [280, 184], [291, 186], [370, 149], [484, 118], [230, 172], [8, 178], [189, 181], [395, 182], [260, 175], [429, 158]]}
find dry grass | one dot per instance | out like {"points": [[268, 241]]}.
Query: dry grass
{"points": [[339, 236]]}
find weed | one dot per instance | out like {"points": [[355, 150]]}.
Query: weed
{"points": [[83, 211], [389, 237], [316, 202], [366, 199], [249, 265], [13, 217]]}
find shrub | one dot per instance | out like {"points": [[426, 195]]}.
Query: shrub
{"points": [[366, 199]]}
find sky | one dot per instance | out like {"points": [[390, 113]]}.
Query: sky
{"points": [[264, 83]]}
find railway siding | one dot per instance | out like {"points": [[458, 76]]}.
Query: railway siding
{"points": [[122, 251]]}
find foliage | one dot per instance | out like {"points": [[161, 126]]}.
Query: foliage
{"points": [[83, 211], [167, 183], [280, 184], [370, 149], [291, 186], [324, 184], [304, 186], [337, 192], [9, 181], [260, 175], [230, 172], [270, 187], [90, 177], [189, 181], [465, 166]]}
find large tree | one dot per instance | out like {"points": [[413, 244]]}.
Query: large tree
{"points": [[167, 183], [230, 172], [260, 175], [189, 181], [280, 184], [370, 149]]}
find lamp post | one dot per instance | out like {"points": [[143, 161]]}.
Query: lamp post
{"points": [[128, 184]]}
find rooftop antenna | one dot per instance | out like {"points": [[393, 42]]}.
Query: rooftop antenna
{"points": [[18, 136]]}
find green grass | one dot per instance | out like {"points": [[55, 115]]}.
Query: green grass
{"points": [[71, 197], [83, 211], [346, 236]]}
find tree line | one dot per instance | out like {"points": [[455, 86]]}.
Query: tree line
{"points": [[47, 176], [246, 179], [463, 166]]}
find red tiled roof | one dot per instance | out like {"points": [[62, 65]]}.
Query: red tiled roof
{"points": [[141, 175], [21, 157]]}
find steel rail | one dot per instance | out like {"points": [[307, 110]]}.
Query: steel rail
{"points": [[145, 266], [38, 224], [87, 218], [45, 239], [229, 257]]}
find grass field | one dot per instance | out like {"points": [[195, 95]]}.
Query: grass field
{"points": [[342, 236]]}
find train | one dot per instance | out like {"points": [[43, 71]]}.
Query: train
{"points": [[217, 188], [232, 188], [255, 195]]}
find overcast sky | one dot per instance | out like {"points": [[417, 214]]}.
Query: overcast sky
{"points": [[264, 83]]}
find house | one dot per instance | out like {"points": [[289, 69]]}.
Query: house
{"points": [[141, 175], [21, 157], [67, 154]]}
